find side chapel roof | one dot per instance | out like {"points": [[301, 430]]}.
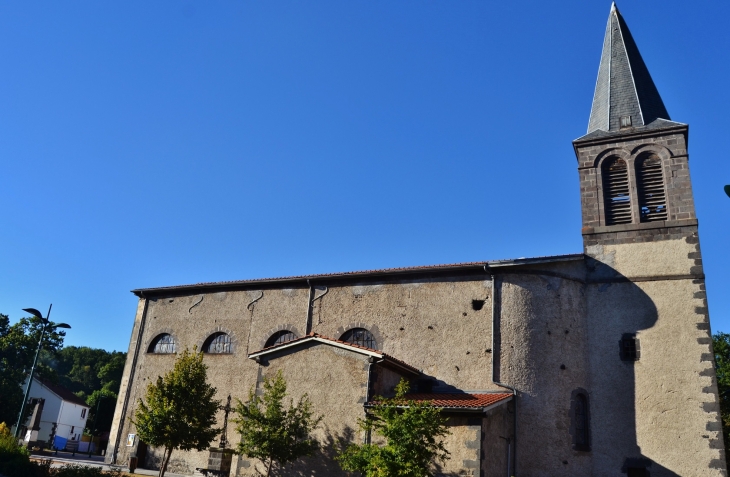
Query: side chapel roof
{"points": [[317, 338], [458, 401], [624, 86]]}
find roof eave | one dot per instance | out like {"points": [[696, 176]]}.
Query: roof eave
{"points": [[309, 339], [304, 280]]}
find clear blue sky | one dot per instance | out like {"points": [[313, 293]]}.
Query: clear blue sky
{"points": [[170, 142]]}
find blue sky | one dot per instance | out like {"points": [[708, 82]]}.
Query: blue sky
{"points": [[162, 143]]}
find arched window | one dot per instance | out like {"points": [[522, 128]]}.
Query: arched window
{"points": [[162, 344], [280, 337], [616, 199], [217, 343], [581, 422], [652, 200], [360, 337]]}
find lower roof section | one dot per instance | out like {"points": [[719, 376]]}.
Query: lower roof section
{"points": [[464, 402]]}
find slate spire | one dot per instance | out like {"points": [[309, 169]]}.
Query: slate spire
{"points": [[624, 87]]}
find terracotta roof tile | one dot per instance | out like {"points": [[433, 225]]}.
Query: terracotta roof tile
{"points": [[458, 400]]}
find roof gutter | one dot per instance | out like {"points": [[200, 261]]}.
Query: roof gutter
{"points": [[302, 281]]}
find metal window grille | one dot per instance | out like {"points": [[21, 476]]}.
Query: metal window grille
{"points": [[652, 200], [360, 337], [280, 337], [217, 343], [581, 422], [616, 198], [163, 344]]}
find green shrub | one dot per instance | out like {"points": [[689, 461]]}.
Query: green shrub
{"points": [[75, 470]]}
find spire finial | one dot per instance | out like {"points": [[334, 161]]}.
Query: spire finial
{"points": [[613, 7]]}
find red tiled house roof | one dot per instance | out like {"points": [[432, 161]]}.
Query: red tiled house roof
{"points": [[457, 401]]}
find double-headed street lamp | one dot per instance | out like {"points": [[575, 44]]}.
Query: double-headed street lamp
{"points": [[46, 325]]}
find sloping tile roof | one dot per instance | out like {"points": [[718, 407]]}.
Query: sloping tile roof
{"points": [[61, 392], [457, 401], [142, 292], [342, 344]]}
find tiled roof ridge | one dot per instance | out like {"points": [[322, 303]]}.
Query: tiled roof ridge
{"points": [[313, 334], [415, 268]]}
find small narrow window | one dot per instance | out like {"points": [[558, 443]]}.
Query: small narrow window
{"points": [[580, 427], [218, 343], [630, 349], [83, 413], [360, 337], [616, 199], [280, 337], [652, 200], [581, 421], [162, 344], [625, 121]]}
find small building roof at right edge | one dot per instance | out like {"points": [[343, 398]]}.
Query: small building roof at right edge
{"points": [[625, 94]]}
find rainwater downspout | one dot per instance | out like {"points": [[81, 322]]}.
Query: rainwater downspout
{"points": [[494, 370], [371, 362], [310, 305]]}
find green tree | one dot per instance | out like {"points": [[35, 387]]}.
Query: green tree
{"points": [[92, 374], [271, 433], [178, 411], [721, 347], [84, 370], [18, 344], [413, 432]]}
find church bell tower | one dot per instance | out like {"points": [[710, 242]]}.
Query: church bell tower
{"points": [[655, 402]]}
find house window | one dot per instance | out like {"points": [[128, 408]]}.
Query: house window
{"points": [[652, 200], [630, 349], [616, 199], [360, 337], [218, 343], [280, 337], [162, 344], [83, 413]]}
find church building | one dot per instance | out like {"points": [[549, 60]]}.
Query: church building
{"points": [[598, 363]]}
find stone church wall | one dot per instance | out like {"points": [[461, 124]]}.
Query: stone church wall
{"points": [[668, 398]]}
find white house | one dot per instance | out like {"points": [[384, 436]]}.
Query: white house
{"points": [[61, 407]]}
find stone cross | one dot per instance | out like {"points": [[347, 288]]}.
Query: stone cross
{"points": [[226, 409]]}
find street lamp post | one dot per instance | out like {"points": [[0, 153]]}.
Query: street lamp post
{"points": [[46, 324]]}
